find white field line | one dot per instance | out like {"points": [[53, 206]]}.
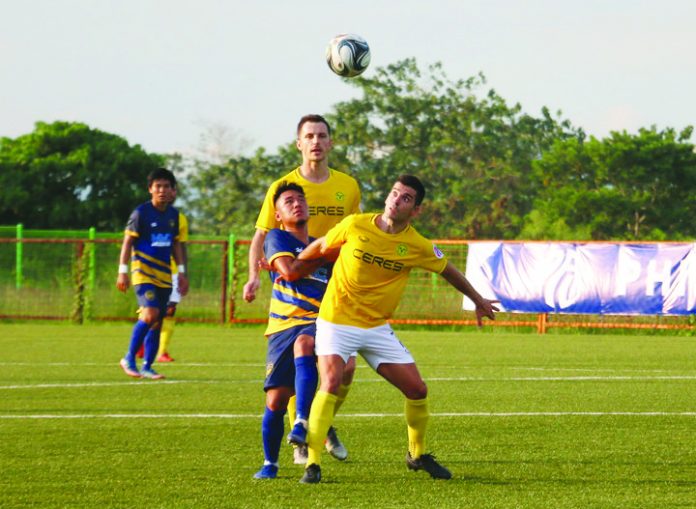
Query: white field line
{"points": [[135, 383], [349, 416]]}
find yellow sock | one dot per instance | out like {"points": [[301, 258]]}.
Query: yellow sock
{"points": [[166, 334], [341, 396], [292, 410], [417, 420], [320, 418]]}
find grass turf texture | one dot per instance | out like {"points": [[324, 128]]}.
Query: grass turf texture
{"points": [[521, 420]]}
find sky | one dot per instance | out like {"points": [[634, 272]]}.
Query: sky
{"points": [[163, 73]]}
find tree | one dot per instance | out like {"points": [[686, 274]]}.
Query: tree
{"points": [[632, 187], [67, 175]]}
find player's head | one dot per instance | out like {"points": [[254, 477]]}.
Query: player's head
{"points": [[404, 199], [290, 204], [314, 138], [160, 183]]}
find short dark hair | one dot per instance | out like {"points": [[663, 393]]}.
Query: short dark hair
{"points": [[312, 118], [414, 183], [161, 174], [286, 186]]}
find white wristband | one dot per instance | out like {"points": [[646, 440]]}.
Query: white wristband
{"points": [[123, 268], [181, 269]]}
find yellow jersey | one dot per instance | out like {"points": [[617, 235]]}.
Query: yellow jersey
{"points": [[372, 270], [183, 237], [329, 201]]}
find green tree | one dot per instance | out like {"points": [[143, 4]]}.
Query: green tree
{"points": [[67, 175], [631, 187]]}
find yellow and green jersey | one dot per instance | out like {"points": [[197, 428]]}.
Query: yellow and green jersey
{"points": [[329, 201], [372, 270], [183, 237]]}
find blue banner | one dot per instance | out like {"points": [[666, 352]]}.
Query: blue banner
{"points": [[595, 278]]}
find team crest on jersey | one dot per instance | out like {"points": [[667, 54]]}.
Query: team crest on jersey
{"points": [[438, 253], [150, 295], [172, 223], [340, 196], [402, 249], [269, 368]]}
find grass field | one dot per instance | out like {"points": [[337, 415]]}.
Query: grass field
{"points": [[522, 420]]}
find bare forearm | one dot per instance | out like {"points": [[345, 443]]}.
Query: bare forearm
{"points": [[457, 279], [256, 253]]}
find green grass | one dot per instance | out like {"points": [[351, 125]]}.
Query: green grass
{"points": [[561, 421]]}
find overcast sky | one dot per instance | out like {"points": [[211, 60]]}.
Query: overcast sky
{"points": [[158, 72]]}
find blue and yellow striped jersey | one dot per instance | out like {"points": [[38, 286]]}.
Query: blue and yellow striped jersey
{"points": [[154, 232], [297, 302]]}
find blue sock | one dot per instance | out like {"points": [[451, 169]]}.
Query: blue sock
{"points": [[305, 384], [151, 346], [272, 434], [137, 336]]}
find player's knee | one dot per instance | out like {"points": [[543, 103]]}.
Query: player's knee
{"points": [[417, 391], [304, 345]]}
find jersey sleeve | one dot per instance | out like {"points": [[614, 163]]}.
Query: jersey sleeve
{"points": [[355, 206], [266, 220], [432, 258], [336, 236], [274, 246], [133, 225], [183, 228]]}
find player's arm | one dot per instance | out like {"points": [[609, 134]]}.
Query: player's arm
{"points": [[179, 253], [255, 254], [484, 307], [123, 280], [292, 269]]}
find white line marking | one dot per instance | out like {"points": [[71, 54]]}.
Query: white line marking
{"points": [[356, 416], [136, 383]]}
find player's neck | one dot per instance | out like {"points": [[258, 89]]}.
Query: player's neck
{"points": [[388, 225], [160, 205], [301, 233], [315, 171]]}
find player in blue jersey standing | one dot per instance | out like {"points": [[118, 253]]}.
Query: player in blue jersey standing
{"points": [[290, 361], [150, 241]]}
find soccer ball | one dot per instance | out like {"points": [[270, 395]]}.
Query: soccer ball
{"points": [[348, 55]]}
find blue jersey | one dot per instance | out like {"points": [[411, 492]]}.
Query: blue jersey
{"points": [[297, 302], [155, 232]]}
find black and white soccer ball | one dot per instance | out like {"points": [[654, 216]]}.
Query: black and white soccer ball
{"points": [[348, 55]]}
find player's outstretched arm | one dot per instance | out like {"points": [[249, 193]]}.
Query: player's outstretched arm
{"points": [[484, 307], [255, 254], [123, 280]]}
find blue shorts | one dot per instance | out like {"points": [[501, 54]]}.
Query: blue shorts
{"points": [[280, 358], [151, 296]]}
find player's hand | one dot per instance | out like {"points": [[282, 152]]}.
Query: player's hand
{"points": [[249, 292], [183, 284], [485, 308], [264, 265], [122, 282]]}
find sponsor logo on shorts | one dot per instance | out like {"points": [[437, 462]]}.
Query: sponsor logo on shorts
{"points": [[149, 295], [269, 368], [380, 261], [438, 253]]}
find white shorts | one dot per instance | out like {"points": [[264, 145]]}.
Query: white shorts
{"points": [[377, 345], [175, 296]]}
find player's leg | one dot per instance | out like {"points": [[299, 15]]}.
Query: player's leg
{"points": [[305, 385], [145, 295], [392, 360], [322, 413], [279, 386], [166, 333], [168, 323], [333, 444], [152, 337], [272, 430]]}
